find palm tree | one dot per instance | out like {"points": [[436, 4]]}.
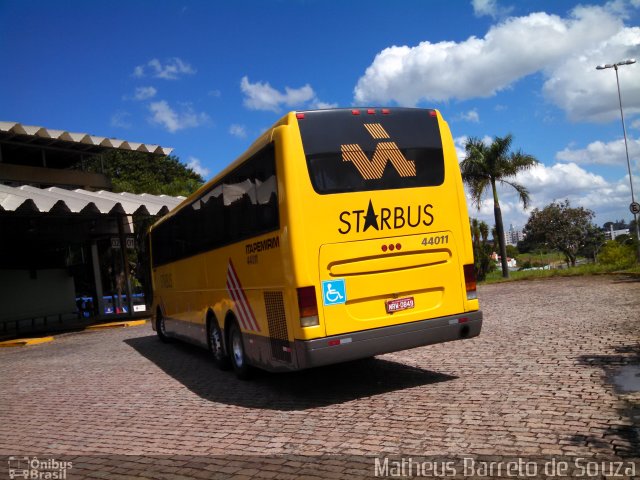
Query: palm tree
{"points": [[484, 231], [475, 232], [487, 165]]}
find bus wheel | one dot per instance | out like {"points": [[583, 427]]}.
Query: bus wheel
{"points": [[161, 328], [238, 356], [216, 346]]}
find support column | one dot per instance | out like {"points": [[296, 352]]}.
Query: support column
{"points": [[125, 263], [97, 277]]}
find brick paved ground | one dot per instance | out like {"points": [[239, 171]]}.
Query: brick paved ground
{"points": [[540, 380]]}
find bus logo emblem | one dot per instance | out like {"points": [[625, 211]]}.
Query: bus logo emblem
{"points": [[334, 292], [372, 169]]}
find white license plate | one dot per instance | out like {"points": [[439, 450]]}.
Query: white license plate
{"points": [[399, 304]]}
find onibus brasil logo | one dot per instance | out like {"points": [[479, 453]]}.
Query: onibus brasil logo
{"points": [[38, 469]]}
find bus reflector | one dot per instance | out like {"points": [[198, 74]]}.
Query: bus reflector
{"points": [[386, 111], [470, 281], [299, 116], [308, 306], [339, 341], [457, 321], [433, 113], [371, 111], [355, 112]]}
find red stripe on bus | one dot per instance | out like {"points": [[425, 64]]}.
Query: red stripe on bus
{"points": [[252, 316], [239, 296]]}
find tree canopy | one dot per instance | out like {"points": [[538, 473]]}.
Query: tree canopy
{"points": [[137, 172], [488, 165], [564, 228]]}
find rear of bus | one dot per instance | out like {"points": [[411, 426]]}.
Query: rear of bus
{"points": [[381, 252]]}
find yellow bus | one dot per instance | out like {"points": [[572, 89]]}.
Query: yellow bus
{"points": [[339, 234]]}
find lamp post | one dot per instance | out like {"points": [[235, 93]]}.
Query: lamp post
{"points": [[634, 205]]}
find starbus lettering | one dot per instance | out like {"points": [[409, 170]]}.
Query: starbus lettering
{"points": [[385, 219]]}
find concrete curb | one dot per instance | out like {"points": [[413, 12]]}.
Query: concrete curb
{"points": [[24, 342], [128, 323]]}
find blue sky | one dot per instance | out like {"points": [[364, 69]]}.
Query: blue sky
{"points": [[206, 77]]}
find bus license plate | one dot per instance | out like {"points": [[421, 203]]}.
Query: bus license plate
{"points": [[399, 304]]}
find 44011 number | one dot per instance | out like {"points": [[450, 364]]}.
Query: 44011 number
{"points": [[435, 240]]}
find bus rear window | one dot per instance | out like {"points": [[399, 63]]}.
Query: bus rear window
{"points": [[355, 153]]}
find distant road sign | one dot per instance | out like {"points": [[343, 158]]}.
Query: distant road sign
{"points": [[635, 208]]}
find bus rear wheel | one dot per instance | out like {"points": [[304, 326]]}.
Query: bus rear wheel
{"points": [[216, 346], [238, 355], [161, 328]]}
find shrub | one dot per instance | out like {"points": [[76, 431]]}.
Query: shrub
{"points": [[617, 255]]}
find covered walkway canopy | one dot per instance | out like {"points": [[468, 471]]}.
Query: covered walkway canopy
{"points": [[69, 246]]}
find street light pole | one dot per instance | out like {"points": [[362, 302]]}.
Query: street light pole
{"points": [[626, 148]]}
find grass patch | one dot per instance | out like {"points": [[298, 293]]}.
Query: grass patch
{"points": [[580, 270]]}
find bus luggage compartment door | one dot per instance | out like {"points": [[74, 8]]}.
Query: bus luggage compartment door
{"points": [[376, 283]]}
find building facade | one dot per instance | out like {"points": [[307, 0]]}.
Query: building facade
{"points": [[70, 248]]}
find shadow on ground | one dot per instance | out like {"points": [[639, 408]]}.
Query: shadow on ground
{"points": [[624, 437], [194, 368]]}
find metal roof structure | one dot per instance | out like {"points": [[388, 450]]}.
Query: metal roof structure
{"points": [[83, 142], [28, 199]]}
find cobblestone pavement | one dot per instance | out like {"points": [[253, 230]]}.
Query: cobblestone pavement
{"points": [[551, 374]]}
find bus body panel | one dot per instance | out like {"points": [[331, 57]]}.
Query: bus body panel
{"points": [[427, 274], [320, 238]]}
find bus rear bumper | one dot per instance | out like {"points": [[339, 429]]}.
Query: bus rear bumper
{"points": [[367, 343]]}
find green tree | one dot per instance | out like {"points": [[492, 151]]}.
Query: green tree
{"points": [[137, 172], [481, 249], [512, 251], [488, 165], [563, 228]]}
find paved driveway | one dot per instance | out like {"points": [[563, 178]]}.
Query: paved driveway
{"points": [[551, 375]]}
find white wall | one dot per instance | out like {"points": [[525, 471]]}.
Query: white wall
{"points": [[49, 293]]}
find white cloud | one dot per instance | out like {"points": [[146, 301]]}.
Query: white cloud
{"points": [[608, 199], [323, 105], [490, 8], [601, 153], [470, 116], [172, 69], [173, 121], [239, 131], [144, 93], [589, 94], [262, 96], [636, 123], [459, 143], [120, 119], [195, 165], [564, 49]]}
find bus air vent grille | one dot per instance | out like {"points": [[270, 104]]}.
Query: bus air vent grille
{"points": [[280, 348]]}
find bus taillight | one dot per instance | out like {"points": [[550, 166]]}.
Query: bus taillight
{"points": [[470, 281], [308, 306]]}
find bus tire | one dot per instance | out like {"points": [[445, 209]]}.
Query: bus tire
{"points": [[216, 345], [238, 354], [161, 328]]}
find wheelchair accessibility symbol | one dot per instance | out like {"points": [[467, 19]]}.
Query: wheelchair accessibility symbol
{"points": [[334, 292]]}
